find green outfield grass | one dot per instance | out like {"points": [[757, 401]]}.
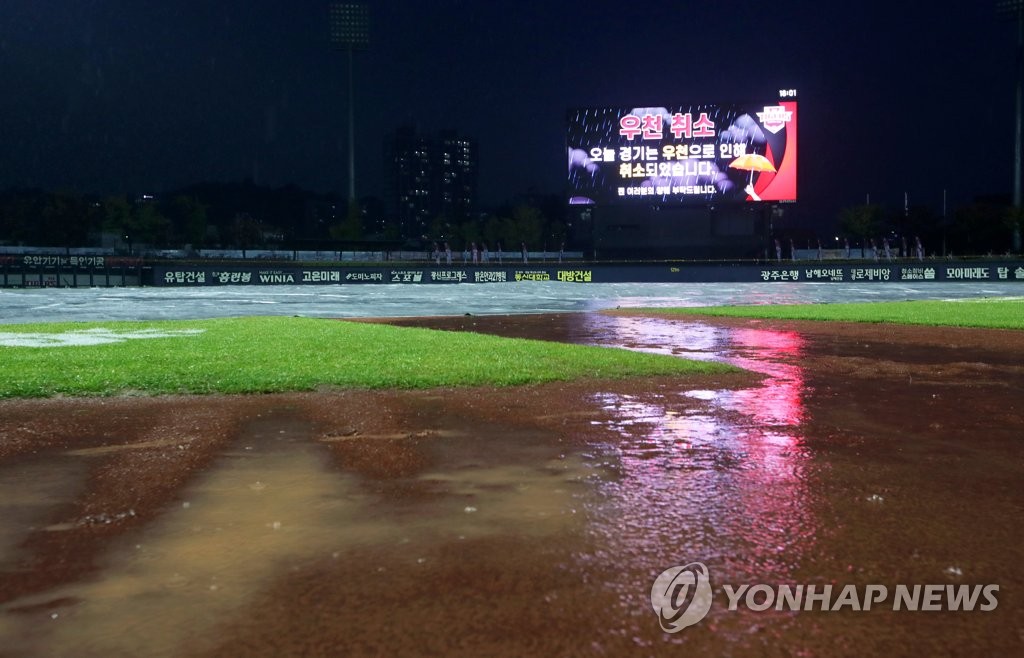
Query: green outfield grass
{"points": [[257, 355], [985, 313]]}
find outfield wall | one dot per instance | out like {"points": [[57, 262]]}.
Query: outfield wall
{"points": [[207, 275], [62, 271], [99, 271]]}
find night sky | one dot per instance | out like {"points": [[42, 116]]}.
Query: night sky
{"points": [[145, 96]]}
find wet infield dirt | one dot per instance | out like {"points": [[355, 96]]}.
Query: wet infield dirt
{"points": [[532, 520]]}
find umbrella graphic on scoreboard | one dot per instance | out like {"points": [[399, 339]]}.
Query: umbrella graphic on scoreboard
{"points": [[752, 162]]}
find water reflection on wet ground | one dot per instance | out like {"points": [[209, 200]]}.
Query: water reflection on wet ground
{"points": [[533, 521]]}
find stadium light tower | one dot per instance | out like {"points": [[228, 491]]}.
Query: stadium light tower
{"points": [[350, 31], [1014, 9]]}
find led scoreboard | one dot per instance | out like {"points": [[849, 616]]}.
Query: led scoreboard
{"points": [[684, 154]]}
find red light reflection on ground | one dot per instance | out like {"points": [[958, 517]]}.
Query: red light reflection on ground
{"points": [[779, 401], [777, 354], [725, 465]]}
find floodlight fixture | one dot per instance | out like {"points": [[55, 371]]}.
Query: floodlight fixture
{"points": [[1014, 9], [350, 26], [350, 31]]}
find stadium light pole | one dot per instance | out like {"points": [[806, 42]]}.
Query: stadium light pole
{"points": [[1015, 9], [350, 31]]}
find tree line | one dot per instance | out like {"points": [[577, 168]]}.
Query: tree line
{"points": [[245, 216], [985, 226]]}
